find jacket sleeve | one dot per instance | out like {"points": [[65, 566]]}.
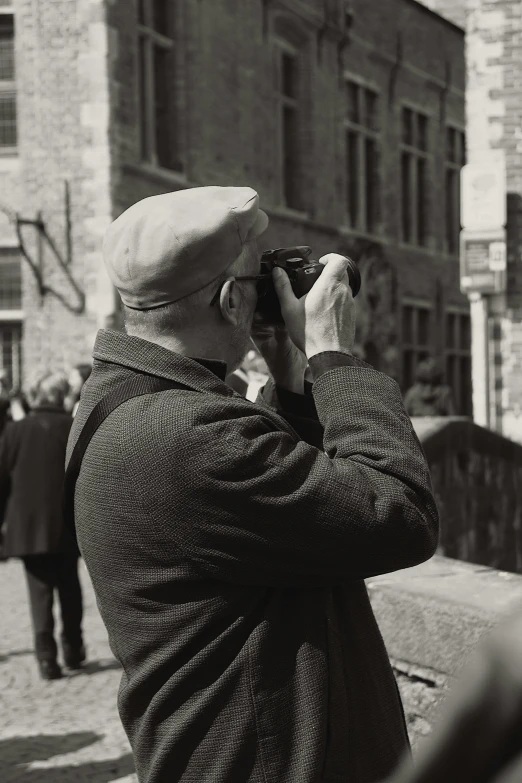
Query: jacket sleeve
{"points": [[299, 410], [251, 503]]}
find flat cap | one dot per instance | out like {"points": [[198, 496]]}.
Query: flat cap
{"points": [[166, 247]]}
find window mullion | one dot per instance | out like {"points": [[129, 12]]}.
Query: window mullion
{"points": [[148, 14], [457, 208], [363, 190], [414, 201], [281, 146], [150, 100]]}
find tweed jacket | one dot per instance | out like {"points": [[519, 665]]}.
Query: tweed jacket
{"points": [[228, 557], [32, 457]]}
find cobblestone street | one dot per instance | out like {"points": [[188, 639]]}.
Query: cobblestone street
{"points": [[68, 730]]}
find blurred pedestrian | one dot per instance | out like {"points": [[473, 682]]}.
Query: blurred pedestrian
{"points": [[5, 389], [479, 738], [77, 378], [32, 459], [18, 405], [429, 396]]}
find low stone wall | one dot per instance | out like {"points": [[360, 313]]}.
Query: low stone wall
{"points": [[432, 617], [477, 479]]}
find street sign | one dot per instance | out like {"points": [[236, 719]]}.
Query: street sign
{"points": [[497, 256], [484, 194], [483, 262]]}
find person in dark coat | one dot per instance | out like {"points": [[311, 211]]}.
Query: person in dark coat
{"points": [[32, 463], [228, 540], [76, 380], [429, 396]]}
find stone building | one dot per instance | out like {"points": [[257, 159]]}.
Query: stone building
{"points": [[494, 128], [347, 117], [454, 10]]}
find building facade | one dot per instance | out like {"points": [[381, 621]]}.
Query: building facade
{"points": [[494, 132], [347, 117]]}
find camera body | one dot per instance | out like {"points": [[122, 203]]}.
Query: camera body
{"points": [[302, 273]]}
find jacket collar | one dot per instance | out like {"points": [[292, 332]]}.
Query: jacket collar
{"points": [[136, 354], [48, 409]]}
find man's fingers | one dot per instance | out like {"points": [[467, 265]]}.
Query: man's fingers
{"points": [[282, 285]]}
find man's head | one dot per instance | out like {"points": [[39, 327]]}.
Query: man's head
{"points": [[48, 390], [429, 371], [170, 255]]}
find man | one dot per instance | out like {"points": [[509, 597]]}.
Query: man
{"points": [[228, 553], [429, 396], [32, 456]]}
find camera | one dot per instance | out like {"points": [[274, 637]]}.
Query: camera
{"points": [[302, 273]]}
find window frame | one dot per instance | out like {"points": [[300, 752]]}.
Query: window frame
{"points": [[9, 87], [146, 91], [419, 351], [14, 319], [15, 370], [458, 354], [363, 133], [283, 101], [416, 154], [454, 166]]}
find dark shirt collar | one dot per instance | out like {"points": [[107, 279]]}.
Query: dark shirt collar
{"points": [[48, 409], [217, 367]]}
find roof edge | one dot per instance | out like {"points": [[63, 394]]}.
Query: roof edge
{"points": [[456, 28]]}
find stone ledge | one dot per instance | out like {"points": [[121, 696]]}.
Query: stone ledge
{"points": [[433, 615]]}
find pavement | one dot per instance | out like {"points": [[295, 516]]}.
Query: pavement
{"points": [[66, 731]]}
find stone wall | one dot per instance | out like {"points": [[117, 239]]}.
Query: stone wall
{"points": [[432, 617], [77, 81], [61, 55], [454, 10], [477, 479]]}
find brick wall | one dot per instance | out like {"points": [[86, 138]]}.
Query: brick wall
{"points": [[11, 197], [227, 118], [61, 51]]}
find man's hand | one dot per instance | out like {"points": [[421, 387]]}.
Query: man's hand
{"points": [[287, 364], [324, 319]]}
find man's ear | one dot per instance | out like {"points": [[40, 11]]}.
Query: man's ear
{"points": [[229, 301]]}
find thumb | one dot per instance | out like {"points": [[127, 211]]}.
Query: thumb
{"points": [[283, 286]]}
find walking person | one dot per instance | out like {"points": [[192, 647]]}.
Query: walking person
{"points": [[77, 378], [32, 463], [429, 396], [227, 547]]}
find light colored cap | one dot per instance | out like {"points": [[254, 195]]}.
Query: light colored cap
{"points": [[170, 246]]}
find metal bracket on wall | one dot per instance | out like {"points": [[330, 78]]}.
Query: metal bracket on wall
{"points": [[64, 263]]}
